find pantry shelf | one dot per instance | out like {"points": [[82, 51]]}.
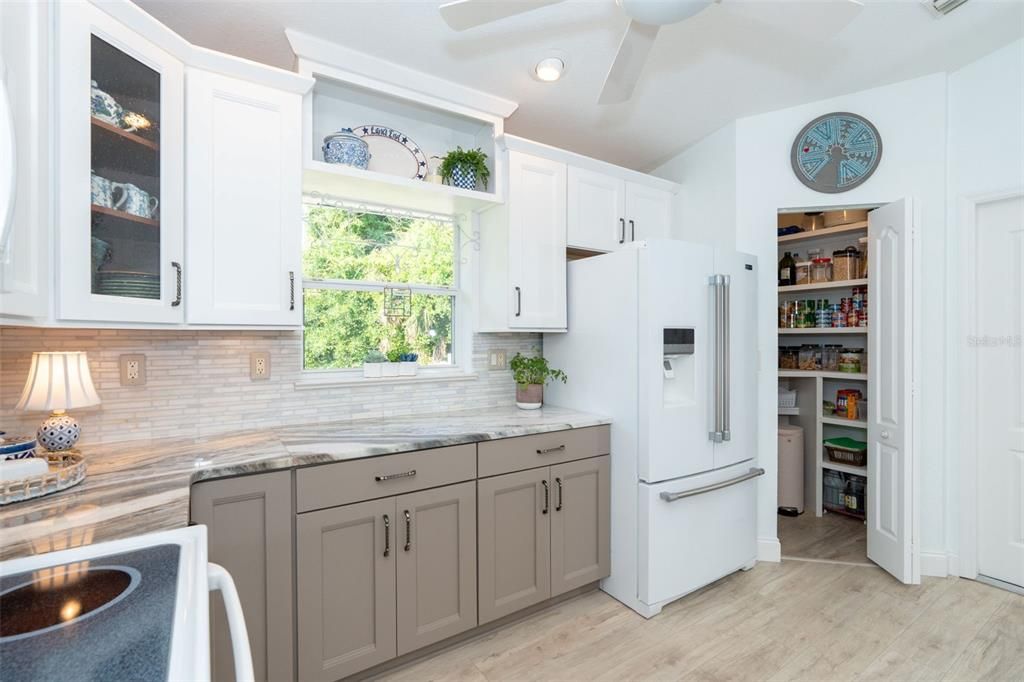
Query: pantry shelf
{"points": [[845, 468], [825, 330], [823, 286], [800, 373], [838, 230], [839, 421]]}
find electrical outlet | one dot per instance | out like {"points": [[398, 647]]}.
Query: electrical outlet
{"points": [[497, 359], [133, 370], [259, 366]]}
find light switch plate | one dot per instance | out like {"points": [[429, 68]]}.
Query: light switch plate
{"points": [[497, 359], [259, 366], [133, 369]]}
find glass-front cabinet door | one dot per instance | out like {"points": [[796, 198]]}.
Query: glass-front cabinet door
{"points": [[120, 111]]}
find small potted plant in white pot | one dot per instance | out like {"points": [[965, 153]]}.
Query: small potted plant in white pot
{"points": [[530, 375], [372, 364], [390, 368], [407, 364], [464, 168]]}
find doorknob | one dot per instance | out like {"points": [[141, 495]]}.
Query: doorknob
{"points": [[885, 434]]}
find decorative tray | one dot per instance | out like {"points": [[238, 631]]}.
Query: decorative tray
{"points": [[66, 469]]}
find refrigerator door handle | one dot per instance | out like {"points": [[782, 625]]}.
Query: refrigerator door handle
{"points": [[672, 497], [726, 357], [715, 282]]}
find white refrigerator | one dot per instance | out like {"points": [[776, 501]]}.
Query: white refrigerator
{"points": [[661, 338]]}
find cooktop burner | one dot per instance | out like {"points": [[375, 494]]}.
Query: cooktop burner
{"points": [[107, 618]]}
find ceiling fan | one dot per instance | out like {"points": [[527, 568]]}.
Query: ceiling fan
{"points": [[646, 18]]}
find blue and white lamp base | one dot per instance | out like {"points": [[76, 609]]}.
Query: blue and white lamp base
{"points": [[60, 431]]}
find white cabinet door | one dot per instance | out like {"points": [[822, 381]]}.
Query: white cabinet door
{"points": [[596, 217], [244, 189], [648, 212], [890, 404], [536, 242], [120, 232], [24, 152]]}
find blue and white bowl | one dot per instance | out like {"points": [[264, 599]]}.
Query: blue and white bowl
{"points": [[16, 447], [345, 147]]}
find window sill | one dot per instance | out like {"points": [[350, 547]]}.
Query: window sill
{"points": [[359, 380]]}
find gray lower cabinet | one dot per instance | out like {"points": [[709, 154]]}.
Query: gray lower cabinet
{"points": [[249, 526], [580, 523], [514, 542], [436, 565], [346, 588]]}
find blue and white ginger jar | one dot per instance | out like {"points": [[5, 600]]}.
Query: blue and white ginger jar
{"points": [[347, 148]]}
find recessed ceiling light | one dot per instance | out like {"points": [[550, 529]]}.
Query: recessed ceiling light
{"points": [[550, 69]]}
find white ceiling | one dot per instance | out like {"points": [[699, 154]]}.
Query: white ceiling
{"points": [[720, 65]]}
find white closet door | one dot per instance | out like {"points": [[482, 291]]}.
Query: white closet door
{"points": [[1000, 389], [890, 402], [244, 233]]}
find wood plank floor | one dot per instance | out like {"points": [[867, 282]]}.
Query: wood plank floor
{"points": [[831, 537], [797, 620]]}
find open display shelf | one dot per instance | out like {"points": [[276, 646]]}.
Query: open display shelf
{"points": [[803, 373], [122, 215], [824, 233], [823, 286], [824, 330], [104, 128], [844, 468], [849, 423]]}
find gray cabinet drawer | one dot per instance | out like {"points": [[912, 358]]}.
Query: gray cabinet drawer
{"points": [[331, 485], [542, 449]]}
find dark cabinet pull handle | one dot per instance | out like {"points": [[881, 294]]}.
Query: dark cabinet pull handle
{"points": [[545, 509], [558, 482], [632, 231], [548, 451], [177, 285], [408, 531], [622, 230], [387, 536], [519, 301], [291, 290]]}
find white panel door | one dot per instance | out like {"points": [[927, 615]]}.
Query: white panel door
{"points": [[648, 212], [890, 403], [1000, 388], [24, 159], [536, 242], [596, 210], [244, 189]]}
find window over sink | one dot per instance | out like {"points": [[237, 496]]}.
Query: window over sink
{"points": [[377, 280]]}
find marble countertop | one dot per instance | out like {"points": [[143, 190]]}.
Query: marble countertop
{"points": [[143, 486]]}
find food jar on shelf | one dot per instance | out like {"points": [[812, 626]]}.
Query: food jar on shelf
{"points": [[830, 357], [789, 357], [845, 264], [810, 357], [803, 272], [851, 360], [821, 270]]}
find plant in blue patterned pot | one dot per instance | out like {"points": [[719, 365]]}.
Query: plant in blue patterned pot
{"points": [[347, 148], [465, 167]]}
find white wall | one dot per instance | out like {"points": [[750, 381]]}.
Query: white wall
{"points": [[705, 208], [986, 156]]}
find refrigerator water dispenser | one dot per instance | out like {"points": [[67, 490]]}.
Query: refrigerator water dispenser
{"points": [[678, 371]]}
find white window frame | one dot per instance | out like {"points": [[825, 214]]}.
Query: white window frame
{"points": [[460, 356]]}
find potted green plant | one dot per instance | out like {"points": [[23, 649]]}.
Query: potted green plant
{"points": [[530, 375], [464, 167], [390, 368], [372, 364], [407, 364]]}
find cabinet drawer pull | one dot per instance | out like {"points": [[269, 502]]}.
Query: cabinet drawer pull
{"points": [[390, 477], [291, 290], [632, 231], [408, 531], [558, 482], [387, 536], [177, 284], [546, 491], [548, 451]]}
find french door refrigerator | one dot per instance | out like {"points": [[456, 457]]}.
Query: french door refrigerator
{"points": [[661, 338]]}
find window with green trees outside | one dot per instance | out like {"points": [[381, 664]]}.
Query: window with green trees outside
{"points": [[377, 282]]}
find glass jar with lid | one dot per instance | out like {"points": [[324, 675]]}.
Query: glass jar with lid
{"points": [[830, 357], [851, 360], [789, 357], [810, 357], [821, 270], [846, 263]]}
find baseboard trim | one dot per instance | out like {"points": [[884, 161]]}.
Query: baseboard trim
{"points": [[769, 549], [939, 564]]}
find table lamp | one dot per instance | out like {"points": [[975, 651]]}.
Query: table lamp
{"points": [[58, 382]]}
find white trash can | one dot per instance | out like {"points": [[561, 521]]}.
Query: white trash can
{"points": [[791, 470]]}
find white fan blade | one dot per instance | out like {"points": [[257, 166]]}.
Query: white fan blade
{"points": [[629, 63], [463, 14], [817, 20]]}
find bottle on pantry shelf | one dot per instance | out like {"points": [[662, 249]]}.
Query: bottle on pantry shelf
{"points": [[787, 270]]}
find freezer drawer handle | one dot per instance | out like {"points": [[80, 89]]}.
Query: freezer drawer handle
{"points": [[390, 477], [548, 451], [753, 473]]}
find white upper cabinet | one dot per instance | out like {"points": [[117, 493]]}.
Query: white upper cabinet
{"points": [[244, 189], [648, 212], [596, 210], [120, 155], [25, 215]]}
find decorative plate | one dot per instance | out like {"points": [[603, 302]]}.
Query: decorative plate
{"points": [[393, 152], [836, 152]]}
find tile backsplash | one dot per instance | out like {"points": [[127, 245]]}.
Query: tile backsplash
{"points": [[198, 383]]}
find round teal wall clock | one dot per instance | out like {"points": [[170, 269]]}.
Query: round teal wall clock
{"points": [[836, 152]]}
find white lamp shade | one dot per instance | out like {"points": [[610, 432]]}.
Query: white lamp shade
{"points": [[58, 381]]}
